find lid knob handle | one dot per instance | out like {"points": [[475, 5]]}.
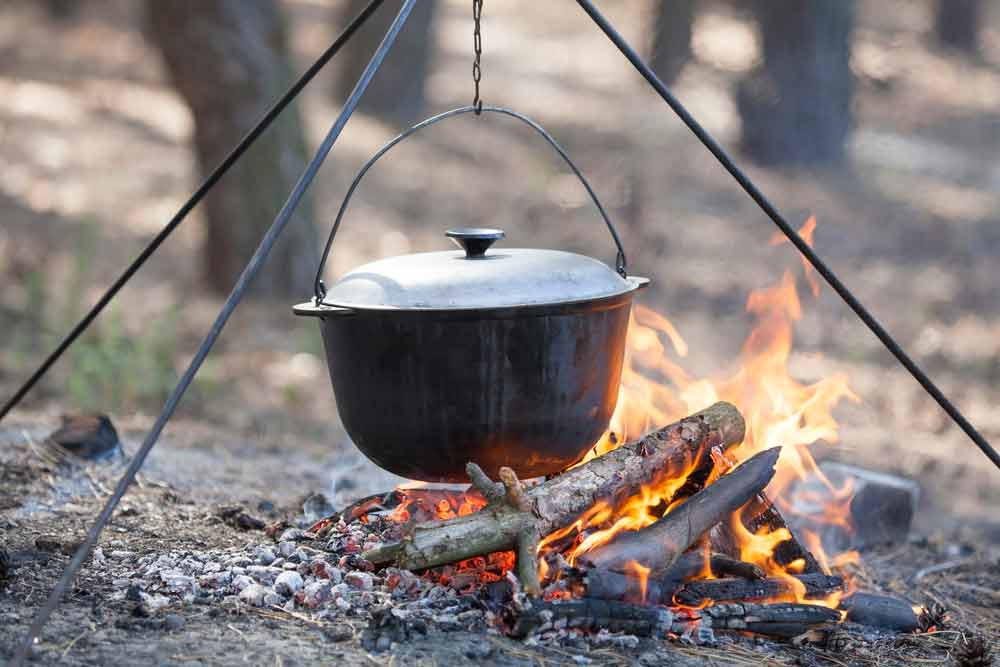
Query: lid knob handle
{"points": [[474, 240]]}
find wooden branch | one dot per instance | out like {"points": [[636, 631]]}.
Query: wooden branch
{"points": [[657, 546], [493, 491], [527, 560], [557, 502], [587, 614], [514, 490]]}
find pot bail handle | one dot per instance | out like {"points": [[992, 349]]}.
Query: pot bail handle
{"points": [[319, 288]]}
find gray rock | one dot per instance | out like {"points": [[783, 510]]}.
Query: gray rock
{"points": [[288, 582], [273, 598], [173, 622], [254, 595], [286, 548], [292, 535], [264, 555], [882, 507], [360, 580], [264, 573], [242, 581]]}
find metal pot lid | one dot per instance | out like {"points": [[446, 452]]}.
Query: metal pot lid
{"points": [[477, 277]]}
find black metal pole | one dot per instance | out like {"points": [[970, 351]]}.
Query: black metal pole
{"points": [[793, 236], [249, 273], [198, 195]]}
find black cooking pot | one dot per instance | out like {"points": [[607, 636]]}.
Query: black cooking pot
{"points": [[504, 357]]}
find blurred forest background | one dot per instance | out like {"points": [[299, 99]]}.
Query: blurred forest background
{"points": [[879, 117]]}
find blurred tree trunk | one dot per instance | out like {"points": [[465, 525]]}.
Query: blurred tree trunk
{"points": [[796, 107], [671, 46], [229, 60], [396, 94], [957, 23]]}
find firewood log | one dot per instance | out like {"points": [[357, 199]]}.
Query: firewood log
{"points": [[658, 545], [611, 585], [587, 614], [557, 502]]}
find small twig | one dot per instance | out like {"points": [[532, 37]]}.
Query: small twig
{"points": [[492, 491], [72, 643], [515, 490], [940, 567]]}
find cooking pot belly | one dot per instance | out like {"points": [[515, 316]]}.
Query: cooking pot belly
{"points": [[423, 394]]}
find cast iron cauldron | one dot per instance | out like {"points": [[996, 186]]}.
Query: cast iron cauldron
{"points": [[504, 357]]}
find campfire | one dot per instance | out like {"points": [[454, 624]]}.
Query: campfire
{"points": [[673, 524]]}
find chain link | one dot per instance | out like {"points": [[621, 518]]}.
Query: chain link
{"points": [[477, 46]]}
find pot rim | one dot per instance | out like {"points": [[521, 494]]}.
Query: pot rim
{"points": [[328, 310]]}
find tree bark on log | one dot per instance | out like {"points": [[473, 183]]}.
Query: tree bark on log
{"points": [[229, 60], [556, 503], [657, 546]]}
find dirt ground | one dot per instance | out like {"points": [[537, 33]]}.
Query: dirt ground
{"points": [[95, 154]]}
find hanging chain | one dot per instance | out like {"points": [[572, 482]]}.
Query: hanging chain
{"points": [[477, 45]]}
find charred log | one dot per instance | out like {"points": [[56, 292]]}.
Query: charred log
{"points": [[784, 620], [657, 546], [761, 514], [696, 593], [881, 611], [610, 585], [587, 614], [503, 525]]}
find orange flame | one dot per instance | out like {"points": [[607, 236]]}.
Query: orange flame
{"points": [[641, 573], [779, 410], [656, 390]]}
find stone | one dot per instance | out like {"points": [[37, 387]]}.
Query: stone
{"points": [[273, 598], [254, 595], [321, 569], [881, 509], [315, 594], [264, 573], [286, 548], [242, 581], [173, 622], [292, 535], [360, 580], [338, 632], [264, 555], [288, 583]]}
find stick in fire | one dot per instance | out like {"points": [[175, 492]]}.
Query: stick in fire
{"points": [[516, 521]]}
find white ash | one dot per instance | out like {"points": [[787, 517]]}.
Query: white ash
{"points": [[324, 579]]}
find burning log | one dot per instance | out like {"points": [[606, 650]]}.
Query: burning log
{"points": [[588, 614], [610, 585], [697, 593], [657, 546], [523, 515], [761, 513], [783, 619]]}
